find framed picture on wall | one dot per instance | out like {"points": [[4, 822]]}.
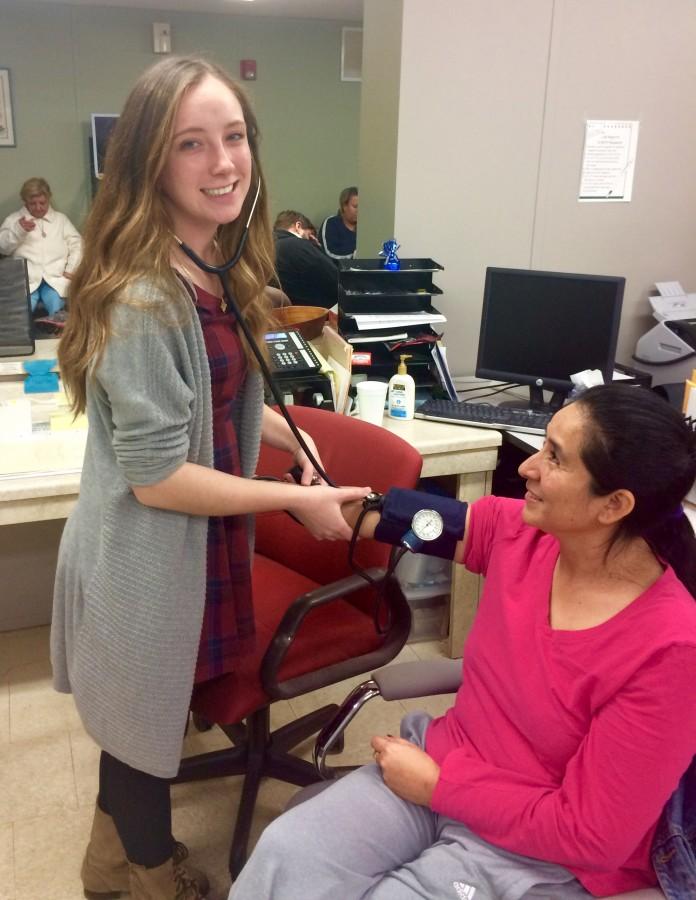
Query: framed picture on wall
{"points": [[7, 135]]}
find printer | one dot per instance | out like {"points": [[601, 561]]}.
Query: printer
{"points": [[668, 350]]}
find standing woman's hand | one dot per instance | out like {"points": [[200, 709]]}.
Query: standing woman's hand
{"points": [[319, 510], [276, 432], [302, 460]]}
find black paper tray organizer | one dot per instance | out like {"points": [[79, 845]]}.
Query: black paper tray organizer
{"points": [[377, 265], [364, 285], [395, 300]]}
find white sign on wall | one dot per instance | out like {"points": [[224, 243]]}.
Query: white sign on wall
{"points": [[608, 160]]}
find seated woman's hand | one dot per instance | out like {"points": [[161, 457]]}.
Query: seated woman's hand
{"points": [[352, 510], [407, 770]]}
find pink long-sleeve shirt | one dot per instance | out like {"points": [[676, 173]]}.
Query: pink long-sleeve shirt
{"points": [[565, 745]]}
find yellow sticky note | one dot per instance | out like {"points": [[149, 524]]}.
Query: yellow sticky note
{"points": [[63, 421]]}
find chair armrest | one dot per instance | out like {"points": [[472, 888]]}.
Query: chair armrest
{"points": [[289, 625], [403, 681], [419, 679]]}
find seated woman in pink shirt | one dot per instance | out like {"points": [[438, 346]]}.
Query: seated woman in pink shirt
{"points": [[575, 718]]}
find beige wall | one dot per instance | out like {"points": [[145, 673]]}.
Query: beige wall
{"points": [[627, 59], [493, 99], [471, 118], [379, 123], [68, 61]]}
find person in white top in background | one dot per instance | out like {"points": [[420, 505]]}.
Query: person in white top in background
{"points": [[48, 241]]}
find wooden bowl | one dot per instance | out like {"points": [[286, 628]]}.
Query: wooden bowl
{"points": [[308, 320]]}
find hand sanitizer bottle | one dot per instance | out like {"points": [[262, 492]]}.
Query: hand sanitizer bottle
{"points": [[402, 392]]}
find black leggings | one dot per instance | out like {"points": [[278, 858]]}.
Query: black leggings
{"points": [[141, 808]]}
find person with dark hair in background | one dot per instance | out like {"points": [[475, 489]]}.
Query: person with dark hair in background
{"points": [[338, 234], [49, 242], [306, 274], [153, 582], [575, 719]]}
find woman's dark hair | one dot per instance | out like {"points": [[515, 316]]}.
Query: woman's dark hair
{"points": [[638, 442]]}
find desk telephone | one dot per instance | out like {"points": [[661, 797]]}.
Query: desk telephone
{"points": [[290, 353]]}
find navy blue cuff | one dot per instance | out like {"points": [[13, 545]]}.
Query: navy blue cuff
{"points": [[399, 507]]}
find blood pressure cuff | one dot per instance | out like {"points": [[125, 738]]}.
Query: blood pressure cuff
{"points": [[400, 505]]}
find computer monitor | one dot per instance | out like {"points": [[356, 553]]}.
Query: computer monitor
{"points": [[539, 328], [16, 334], [102, 125]]}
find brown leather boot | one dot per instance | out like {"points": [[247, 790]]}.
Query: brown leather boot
{"points": [[180, 857], [105, 874], [165, 882], [105, 867]]}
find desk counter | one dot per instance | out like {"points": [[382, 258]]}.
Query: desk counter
{"points": [[41, 482], [39, 473], [38, 497]]}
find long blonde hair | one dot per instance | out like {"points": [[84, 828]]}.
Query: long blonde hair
{"points": [[128, 233]]}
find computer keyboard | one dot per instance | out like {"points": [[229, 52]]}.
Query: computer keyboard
{"points": [[483, 415]]}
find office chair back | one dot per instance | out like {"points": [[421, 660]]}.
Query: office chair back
{"points": [[16, 335], [315, 620], [360, 454], [289, 562]]}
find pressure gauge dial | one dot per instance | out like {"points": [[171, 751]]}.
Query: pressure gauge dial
{"points": [[427, 524]]}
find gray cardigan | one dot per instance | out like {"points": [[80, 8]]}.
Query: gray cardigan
{"points": [[130, 582]]}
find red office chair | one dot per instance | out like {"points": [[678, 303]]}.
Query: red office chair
{"points": [[315, 619]]}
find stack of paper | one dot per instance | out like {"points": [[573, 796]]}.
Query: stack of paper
{"points": [[336, 355], [370, 327]]}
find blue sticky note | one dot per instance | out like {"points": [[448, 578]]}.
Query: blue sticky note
{"points": [[38, 366], [39, 384], [40, 378]]}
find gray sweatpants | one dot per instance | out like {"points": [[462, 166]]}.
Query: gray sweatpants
{"points": [[358, 840]]}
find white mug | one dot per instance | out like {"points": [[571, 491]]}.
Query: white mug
{"points": [[372, 396]]}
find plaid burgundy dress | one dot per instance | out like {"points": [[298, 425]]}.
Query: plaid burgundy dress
{"points": [[228, 618]]}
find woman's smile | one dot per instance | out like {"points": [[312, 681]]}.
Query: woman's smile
{"points": [[219, 191]]}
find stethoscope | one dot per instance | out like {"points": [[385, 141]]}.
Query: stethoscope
{"points": [[221, 271], [377, 583]]}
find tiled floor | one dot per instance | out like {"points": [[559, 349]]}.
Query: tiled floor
{"points": [[48, 775]]}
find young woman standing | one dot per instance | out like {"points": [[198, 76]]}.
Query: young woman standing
{"points": [[153, 587]]}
